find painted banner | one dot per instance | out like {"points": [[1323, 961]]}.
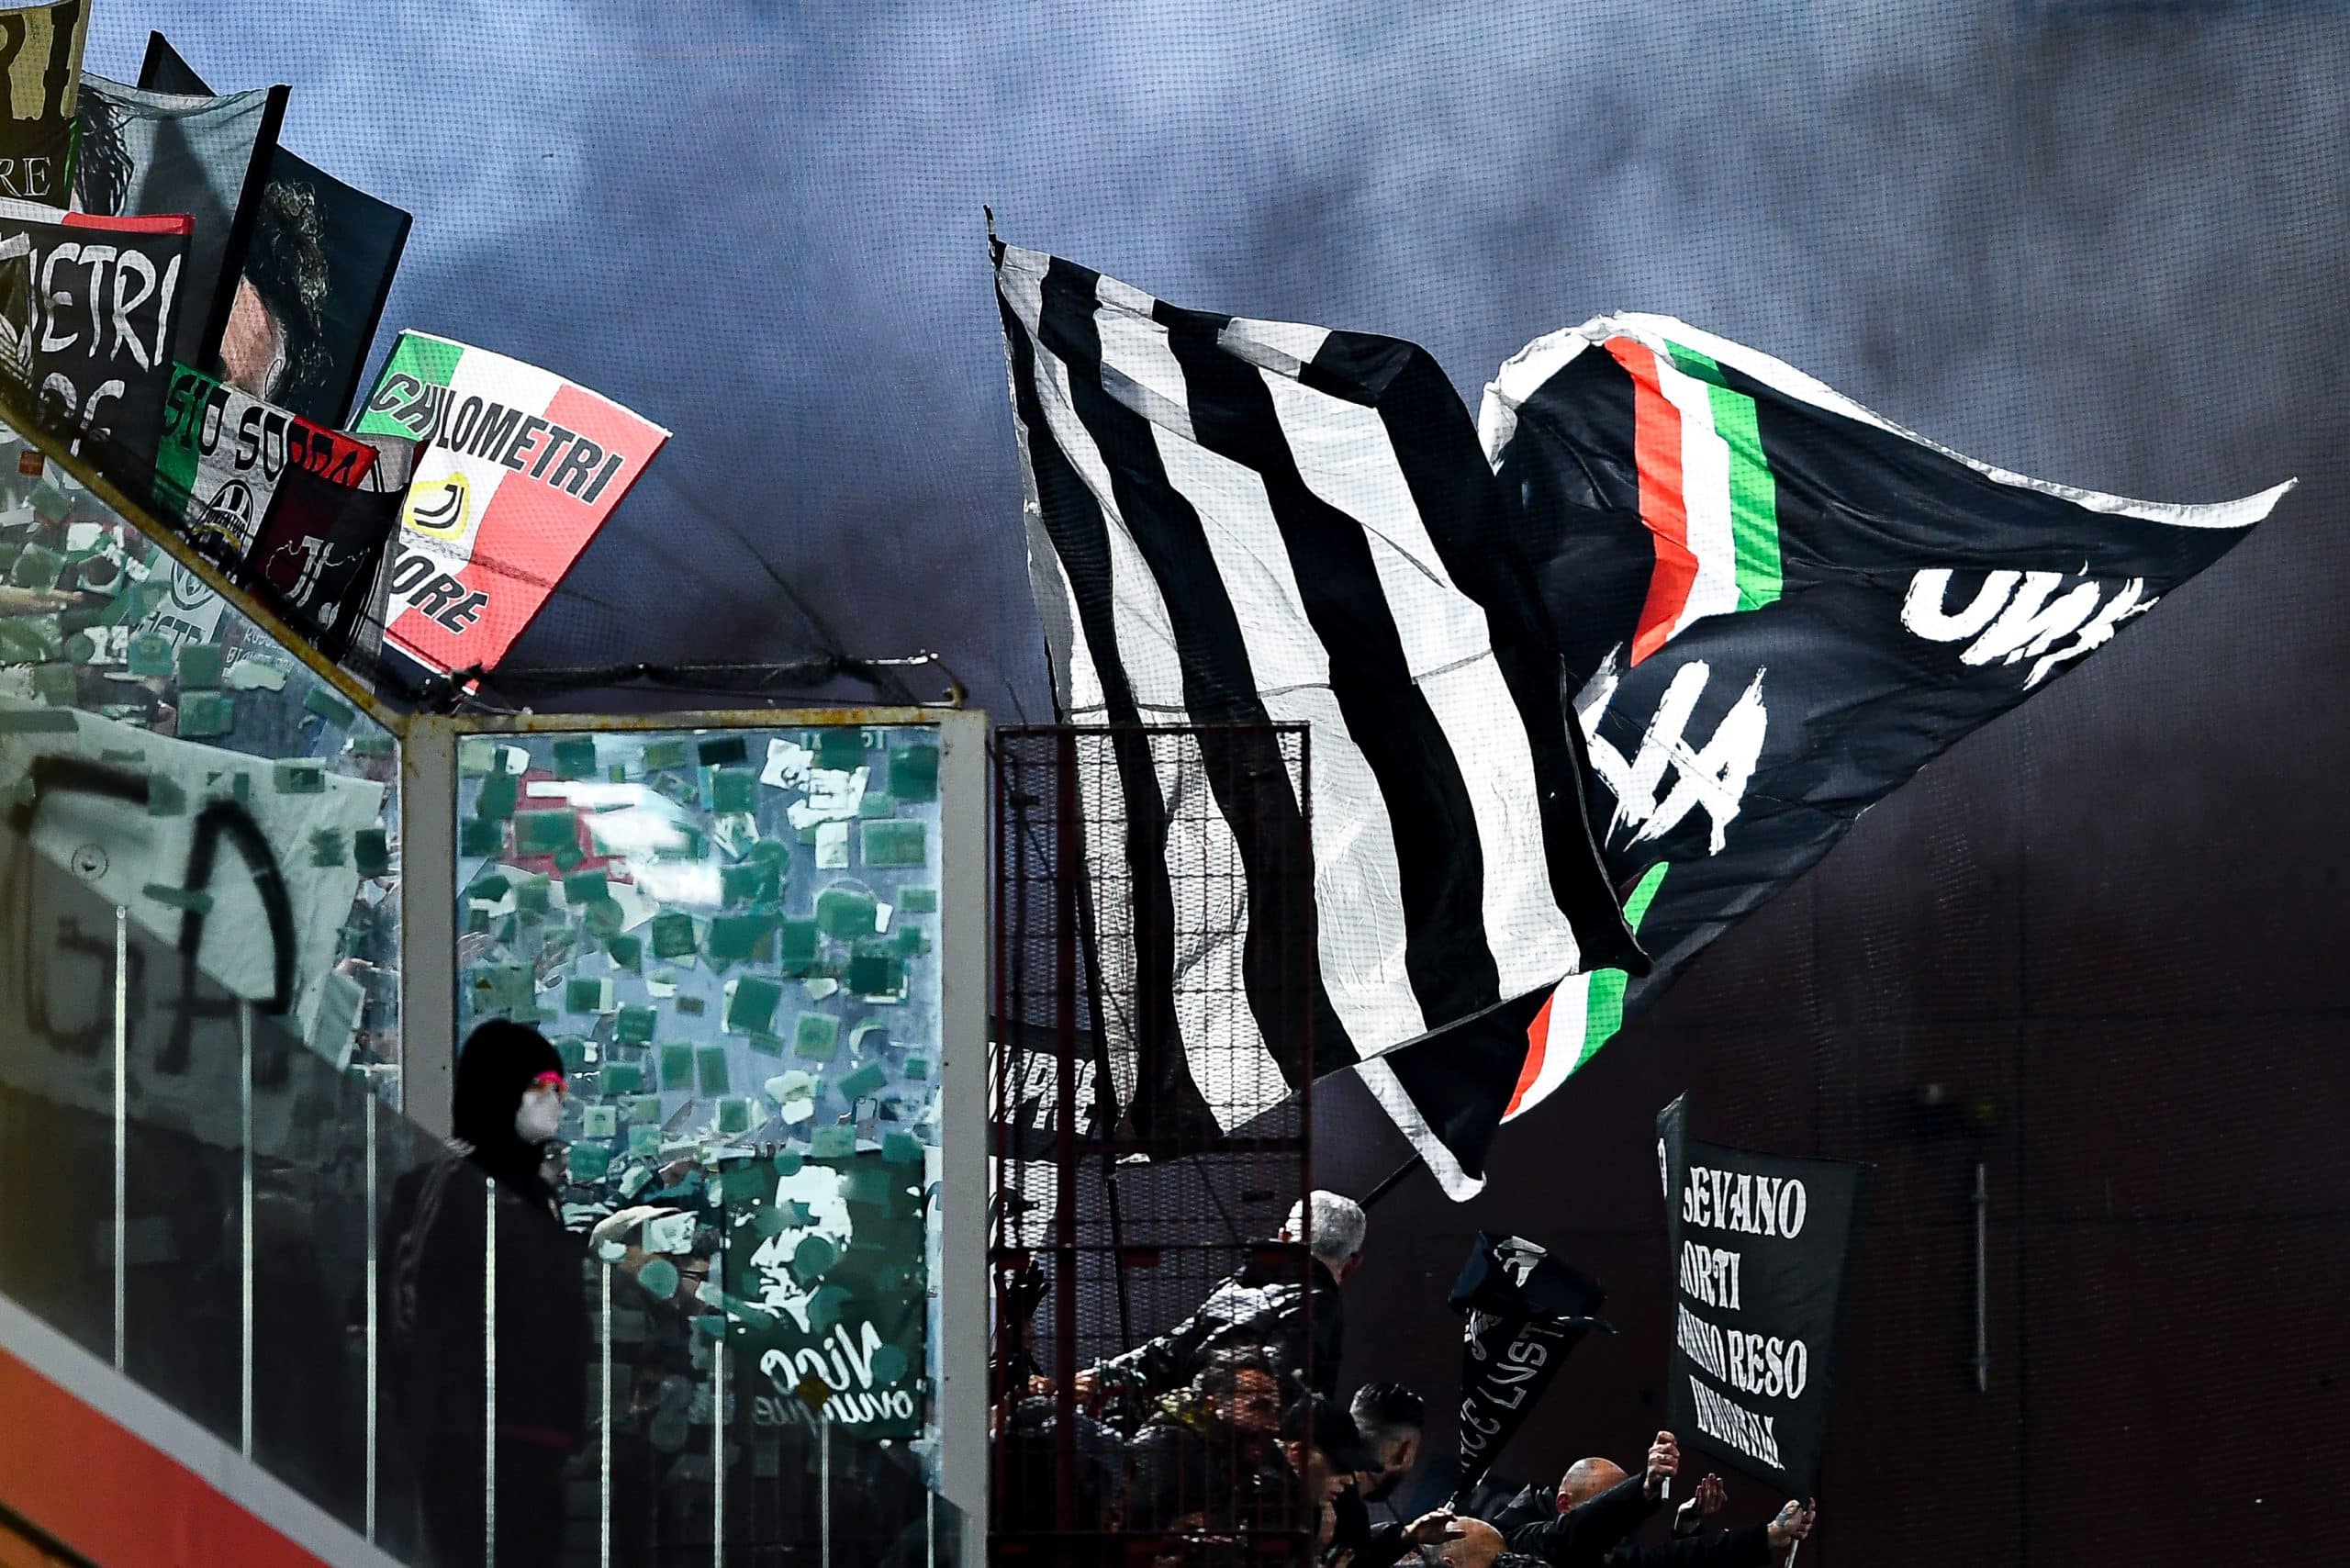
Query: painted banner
{"points": [[84, 373], [144, 155], [827, 1278], [1522, 1310], [1762, 1248], [317, 271], [287, 506], [127, 811], [224, 454], [519, 469], [41, 67]]}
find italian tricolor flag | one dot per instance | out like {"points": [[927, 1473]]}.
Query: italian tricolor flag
{"points": [[1705, 491], [1710, 505], [518, 470], [1581, 1015]]}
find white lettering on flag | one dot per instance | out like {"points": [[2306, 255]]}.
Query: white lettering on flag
{"points": [[1714, 776]]}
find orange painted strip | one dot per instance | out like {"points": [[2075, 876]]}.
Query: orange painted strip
{"points": [[1537, 1043], [104, 1492], [1656, 447]]}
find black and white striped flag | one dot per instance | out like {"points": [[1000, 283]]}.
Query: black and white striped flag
{"points": [[1242, 523]]}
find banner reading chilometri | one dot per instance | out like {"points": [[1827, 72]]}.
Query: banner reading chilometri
{"points": [[519, 469], [40, 72], [1762, 1250]]}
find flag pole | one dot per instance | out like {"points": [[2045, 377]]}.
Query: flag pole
{"points": [[1390, 1180], [1797, 1545]]}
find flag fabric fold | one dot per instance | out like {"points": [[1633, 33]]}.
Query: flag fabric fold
{"points": [[1243, 523], [1774, 607], [143, 154], [312, 280]]}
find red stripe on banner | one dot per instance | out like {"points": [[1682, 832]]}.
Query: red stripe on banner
{"points": [[177, 223], [1538, 1046], [1656, 446], [529, 537], [97, 1488]]}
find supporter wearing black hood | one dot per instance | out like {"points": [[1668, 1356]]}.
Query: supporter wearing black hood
{"points": [[501, 1081], [507, 1103]]}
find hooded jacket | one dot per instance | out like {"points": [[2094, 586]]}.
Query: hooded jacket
{"points": [[1263, 1307], [437, 1231]]}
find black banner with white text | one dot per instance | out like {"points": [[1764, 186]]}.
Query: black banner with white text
{"points": [[1522, 1311], [1761, 1248]]}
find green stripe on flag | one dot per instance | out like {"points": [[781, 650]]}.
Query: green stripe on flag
{"points": [[1604, 1002], [1753, 494], [431, 361], [175, 454]]}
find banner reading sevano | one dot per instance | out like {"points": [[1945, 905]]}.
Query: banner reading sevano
{"points": [[519, 469]]}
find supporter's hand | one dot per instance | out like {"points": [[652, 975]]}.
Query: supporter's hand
{"points": [[612, 1226], [1794, 1523], [1705, 1501], [1433, 1528], [1086, 1385], [1664, 1461]]}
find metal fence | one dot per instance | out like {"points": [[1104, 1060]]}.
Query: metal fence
{"points": [[1105, 1233]]}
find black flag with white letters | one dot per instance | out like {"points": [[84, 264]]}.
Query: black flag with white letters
{"points": [[95, 377], [1761, 1248], [1774, 607], [1522, 1310]]}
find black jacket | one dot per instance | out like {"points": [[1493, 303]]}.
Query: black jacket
{"points": [[1260, 1307], [1749, 1546], [1582, 1537], [544, 1344], [1372, 1544], [1192, 1472], [438, 1228]]}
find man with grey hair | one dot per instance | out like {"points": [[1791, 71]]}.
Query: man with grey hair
{"points": [[1331, 1227], [1283, 1299]]}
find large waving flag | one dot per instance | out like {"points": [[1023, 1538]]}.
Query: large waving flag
{"points": [[1777, 606], [1237, 522]]}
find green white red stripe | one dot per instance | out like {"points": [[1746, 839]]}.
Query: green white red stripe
{"points": [[1708, 500], [1581, 1015], [1707, 494], [520, 470]]}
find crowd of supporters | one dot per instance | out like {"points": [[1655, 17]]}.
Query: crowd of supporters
{"points": [[1226, 1440]]}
